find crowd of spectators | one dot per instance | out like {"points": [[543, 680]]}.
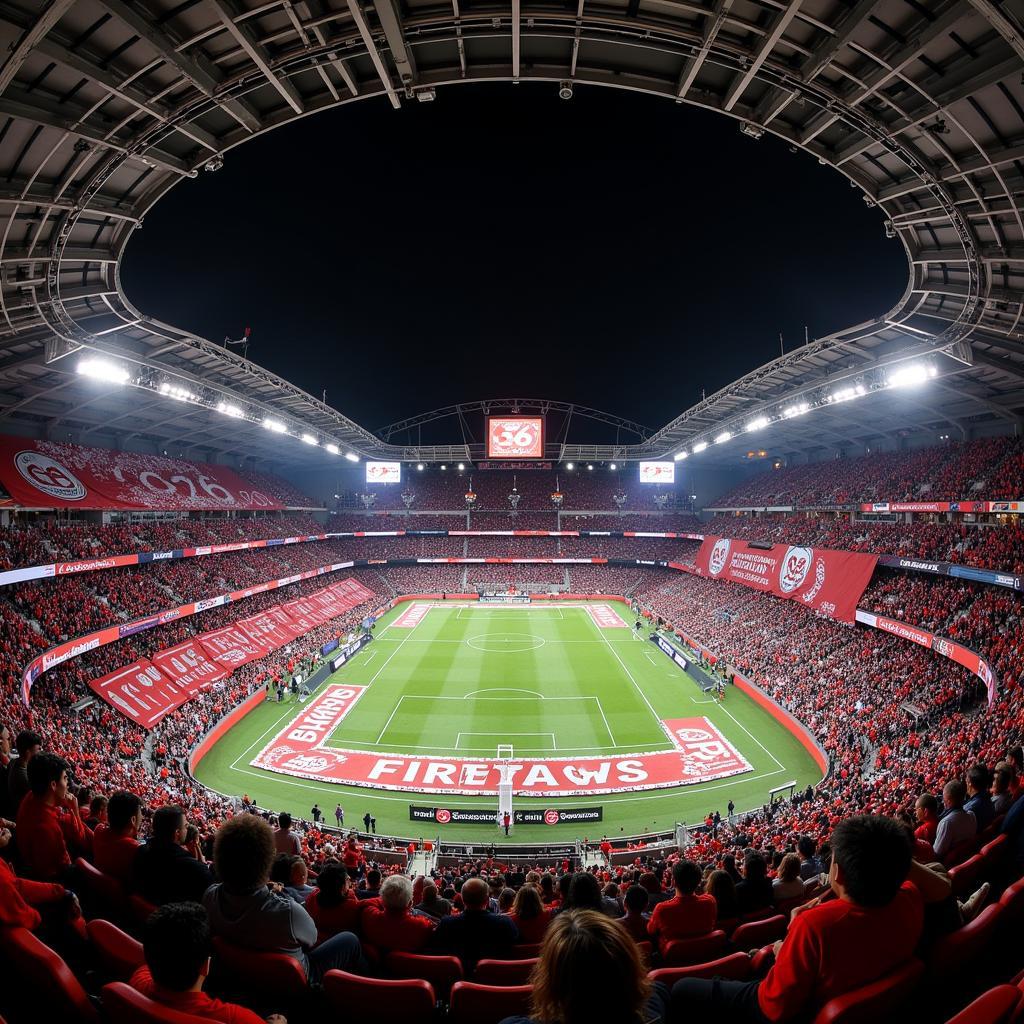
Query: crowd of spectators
{"points": [[988, 468], [899, 724]]}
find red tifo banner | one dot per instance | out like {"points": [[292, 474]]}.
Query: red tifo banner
{"points": [[699, 753], [830, 582], [148, 689], [44, 474]]}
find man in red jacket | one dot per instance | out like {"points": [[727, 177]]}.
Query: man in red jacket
{"points": [[870, 929], [50, 827]]}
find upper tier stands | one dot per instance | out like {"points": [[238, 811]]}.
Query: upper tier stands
{"points": [[990, 468]]}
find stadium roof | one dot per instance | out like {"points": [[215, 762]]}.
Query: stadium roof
{"points": [[106, 104]]}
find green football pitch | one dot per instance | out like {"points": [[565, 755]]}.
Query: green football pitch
{"points": [[545, 679]]}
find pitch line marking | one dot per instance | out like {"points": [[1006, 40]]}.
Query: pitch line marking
{"points": [[643, 696], [604, 718], [505, 689]]}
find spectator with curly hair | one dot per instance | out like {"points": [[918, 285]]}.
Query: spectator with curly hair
{"points": [[248, 913]]}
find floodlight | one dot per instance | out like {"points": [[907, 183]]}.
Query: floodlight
{"points": [[723, 437], [351, 456], [679, 456], [759, 423], [309, 439], [910, 375], [699, 447], [104, 370], [179, 394], [274, 425], [230, 410]]}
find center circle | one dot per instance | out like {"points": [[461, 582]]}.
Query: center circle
{"points": [[505, 643]]}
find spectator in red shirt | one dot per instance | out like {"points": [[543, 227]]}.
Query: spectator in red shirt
{"points": [[114, 842], [21, 899], [391, 924], [333, 906], [49, 821], [685, 915], [177, 947], [833, 947], [927, 812]]}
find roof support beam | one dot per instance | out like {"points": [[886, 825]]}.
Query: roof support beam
{"points": [[245, 38], [516, 38], [1001, 20], [130, 94], [37, 111], [782, 20], [192, 70], [401, 54], [30, 39], [713, 22], [356, 10]]}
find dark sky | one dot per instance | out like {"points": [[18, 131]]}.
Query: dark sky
{"points": [[614, 250]]}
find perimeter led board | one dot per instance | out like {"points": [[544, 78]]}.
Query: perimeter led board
{"points": [[515, 437], [383, 472], [657, 473]]}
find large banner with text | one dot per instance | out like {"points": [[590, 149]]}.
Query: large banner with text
{"points": [[45, 474], [699, 753], [829, 582]]}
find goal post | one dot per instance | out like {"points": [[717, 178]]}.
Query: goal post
{"points": [[504, 756]]}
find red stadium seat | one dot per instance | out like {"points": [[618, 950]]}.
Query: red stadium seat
{"points": [[102, 895], [504, 972], [119, 954], [758, 915], [996, 1006], [873, 1002], [140, 909], [441, 971], [683, 952], [123, 1005], [56, 992], [1012, 905], [398, 1001], [524, 951], [995, 854], [953, 954], [961, 852], [964, 877], [735, 966], [487, 1004], [760, 933], [258, 973]]}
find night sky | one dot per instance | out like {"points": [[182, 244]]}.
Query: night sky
{"points": [[614, 250]]}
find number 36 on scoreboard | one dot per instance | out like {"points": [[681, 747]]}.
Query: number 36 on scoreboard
{"points": [[515, 437]]}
